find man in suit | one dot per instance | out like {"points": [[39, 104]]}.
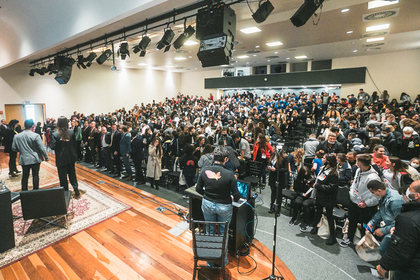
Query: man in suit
{"points": [[85, 140], [105, 140], [114, 147], [137, 154], [32, 153], [125, 149], [3, 128], [92, 142]]}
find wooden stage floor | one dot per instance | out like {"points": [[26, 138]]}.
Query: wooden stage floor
{"points": [[132, 245]]}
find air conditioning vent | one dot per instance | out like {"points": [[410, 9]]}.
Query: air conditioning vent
{"points": [[181, 51], [380, 15], [375, 34], [291, 50], [252, 51], [179, 67], [373, 45], [282, 62], [372, 49], [272, 57]]}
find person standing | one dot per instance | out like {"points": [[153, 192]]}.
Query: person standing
{"points": [[9, 134], [137, 154], [63, 142], [217, 184], [32, 153], [92, 142], [125, 149], [403, 254], [278, 163], [154, 163], [78, 134], [114, 148]]}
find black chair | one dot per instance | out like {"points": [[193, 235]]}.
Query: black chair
{"points": [[288, 199], [254, 172], [340, 212], [308, 161], [209, 244], [44, 203], [15, 197], [242, 169]]}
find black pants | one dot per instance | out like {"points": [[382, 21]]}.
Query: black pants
{"points": [[88, 154], [329, 214], [79, 150], [359, 215], [117, 161], [139, 171], [12, 162], [35, 176], [70, 171], [305, 204], [108, 158], [189, 178]]}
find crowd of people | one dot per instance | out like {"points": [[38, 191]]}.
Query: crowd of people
{"points": [[368, 144]]}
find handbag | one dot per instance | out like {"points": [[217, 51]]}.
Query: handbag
{"points": [[323, 228], [182, 181], [368, 248]]}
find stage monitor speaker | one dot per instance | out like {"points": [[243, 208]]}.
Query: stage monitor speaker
{"points": [[263, 12], [304, 13], [7, 233], [215, 20]]}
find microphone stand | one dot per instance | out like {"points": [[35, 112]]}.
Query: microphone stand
{"points": [[277, 208]]}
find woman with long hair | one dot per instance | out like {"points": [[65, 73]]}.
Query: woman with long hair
{"points": [[302, 184], [395, 175], [295, 160], [63, 142], [326, 187], [278, 162], [8, 141], [206, 159], [262, 152], [154, 163]]}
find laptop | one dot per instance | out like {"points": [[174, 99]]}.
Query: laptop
{"points": [[244, 189]]}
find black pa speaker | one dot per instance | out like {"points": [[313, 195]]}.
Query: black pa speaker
{"points": [[263, 12], [215, 20], [7, 233], [305, 12]]}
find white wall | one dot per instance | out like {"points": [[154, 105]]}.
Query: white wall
{"points": [[94, 90], [192, 83], [395, 72]]}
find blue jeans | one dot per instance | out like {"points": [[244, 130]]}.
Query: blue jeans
{"points": [[127, 165], [217, 212], [384, 244]]}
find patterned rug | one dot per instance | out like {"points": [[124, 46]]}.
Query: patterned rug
{"points": [[47, 177], [92, 208]]}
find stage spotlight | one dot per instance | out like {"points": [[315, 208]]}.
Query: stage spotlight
{"points": [[41, 71], [50, 68], [81, 62], [167, 48], [166, 40], [304, 13], [32, 72], [123, 51], [144, 43], [90, 59], [64, 71], [180, 41], [104, 56], [264, 10]]}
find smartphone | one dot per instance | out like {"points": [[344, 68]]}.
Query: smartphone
{"points": [[367, 228]]}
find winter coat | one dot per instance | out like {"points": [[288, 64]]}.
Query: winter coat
{"points": [[154, 164], [206, 160], [326, 186], [310, 147], [344, 174]]}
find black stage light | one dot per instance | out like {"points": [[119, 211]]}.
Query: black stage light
{"points": [[143, 53], [90, 59], [81, 62], [144, 43], [64, 71], [42, 71], [32, 72], [304, 13], [123, 51], [180, 41], [166, 40], [167, 48], [104, 56], [264, 10], [50, 68], [136, 49]]}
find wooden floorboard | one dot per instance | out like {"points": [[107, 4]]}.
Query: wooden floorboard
{"points": [[132, 245]]}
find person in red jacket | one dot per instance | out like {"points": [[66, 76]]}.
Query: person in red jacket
{"points": [[262, 152]]}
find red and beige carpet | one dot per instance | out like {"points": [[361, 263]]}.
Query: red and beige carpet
{"points": [[92, 208]]}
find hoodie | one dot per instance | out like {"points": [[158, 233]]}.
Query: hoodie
{"points": [[359, 191], [310, 147]]}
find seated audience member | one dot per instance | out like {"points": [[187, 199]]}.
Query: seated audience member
{"points": [[331, 146], [390, 203], [359, 133], [363, 204], [379, 157], [310, 146], [356, 144], [410, 146], [388, 140], [395, 175], [343, 170], [340, 137], [302, 184], [317, 162], [415, 163], [403, 255]]}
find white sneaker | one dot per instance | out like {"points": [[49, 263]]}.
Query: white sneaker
{"points": [[345, 243]]}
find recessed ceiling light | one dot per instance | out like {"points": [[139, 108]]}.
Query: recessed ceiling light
{"points": [[381, 3], [375, 39], [377, 27], [301, 57], [142, 64], [345, 10], [273, 44], [257, 47], [247, 62], [254, 55], [355, 51], [190, 56], [276, 52], [180, 58], [268, 60], [250, 30], [190, 43], [350, 31], [288, 58], [169, 66], [243, 56]]}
